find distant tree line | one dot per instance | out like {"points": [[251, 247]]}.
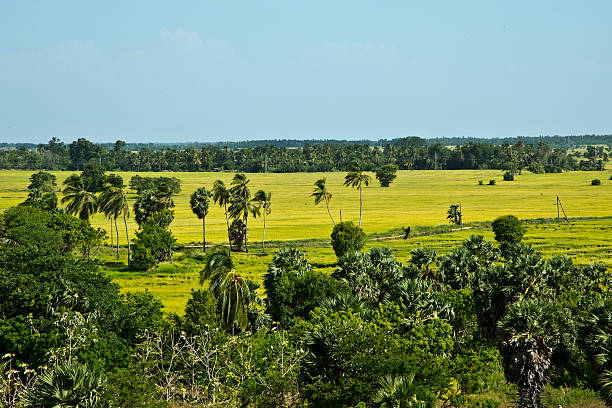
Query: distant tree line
{"points": [[410, 153]]}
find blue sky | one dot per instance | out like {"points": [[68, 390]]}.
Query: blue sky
{"points": [[220, 70]]}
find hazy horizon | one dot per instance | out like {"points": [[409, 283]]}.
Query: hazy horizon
{"points": [[209, 72]]}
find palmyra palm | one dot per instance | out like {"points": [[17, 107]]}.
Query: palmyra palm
{"points": [[200, 202], [320, 193]]}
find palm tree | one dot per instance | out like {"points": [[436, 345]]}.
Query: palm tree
{"points": [[398, 391], [112, 180], [530, 331], [200, 201], [114, 201], [263, 199], [80, 201], [320, 193], [231, 290], [222, 196], [357, 178], [241, 205], [67, 385]]}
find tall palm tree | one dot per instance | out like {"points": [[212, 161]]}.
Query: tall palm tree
{"points": [[200, 201], [222, 196], [530, 330], [114, 201], [241, 205], [80, 201], [263, 199], [320, 193], [231, 290], [112, 180], [357, 178]]}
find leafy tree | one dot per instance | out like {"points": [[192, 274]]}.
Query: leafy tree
{"points": [[386, 174], [222, 196], [200, 202], [320, 193], [43, 181], [293, 289], [263, 199], [345, 237], [80, 201], [201, 311], [357, 178], [153, 244], [508, 229], [237, 233], [93, 177], [229, 288]]}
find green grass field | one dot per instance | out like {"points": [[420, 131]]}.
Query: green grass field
{"points": [[416, 198]]}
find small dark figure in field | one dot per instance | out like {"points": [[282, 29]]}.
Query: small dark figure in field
{"points": [[406, 232]]}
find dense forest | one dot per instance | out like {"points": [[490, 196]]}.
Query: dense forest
{"points": [[538, 155]]}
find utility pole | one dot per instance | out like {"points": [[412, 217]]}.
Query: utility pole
{"points": [[558, 215]]}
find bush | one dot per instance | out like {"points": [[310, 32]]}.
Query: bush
{"points": [[153, 244], [480, 182], [492, 182], [595, 182], [508, 229], [610, 177], [345, 237], [508, 176]]}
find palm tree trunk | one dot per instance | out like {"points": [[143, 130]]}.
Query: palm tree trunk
{"points": [[228, 231], [360, 203], [111, 231], [204, 233], [246, 223], [117, 234], [127, 235], [330, 216], [263, 241]]}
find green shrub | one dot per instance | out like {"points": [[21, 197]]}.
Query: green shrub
{"points": [[508, 228], [492, 182], [610, 177], [153, 244], [508, 176], [345, 237], [480, 182], [595, 182], [386, 174]]}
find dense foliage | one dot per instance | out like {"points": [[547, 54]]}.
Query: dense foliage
{"points": [[433, 331], [536, 154]]}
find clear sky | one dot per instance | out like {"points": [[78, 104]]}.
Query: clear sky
{"points": [[221, 70]]}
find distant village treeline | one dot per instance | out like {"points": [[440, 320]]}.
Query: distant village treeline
{"points": [[536, 154]]}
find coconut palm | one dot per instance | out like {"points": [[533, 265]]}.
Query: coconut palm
{"points": [[530, 331], [200, 201], [357, 178], [320, 193], [222, 196], [114, 201], [112, 180], [263, 199], [231, 290], [80, 201]]}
